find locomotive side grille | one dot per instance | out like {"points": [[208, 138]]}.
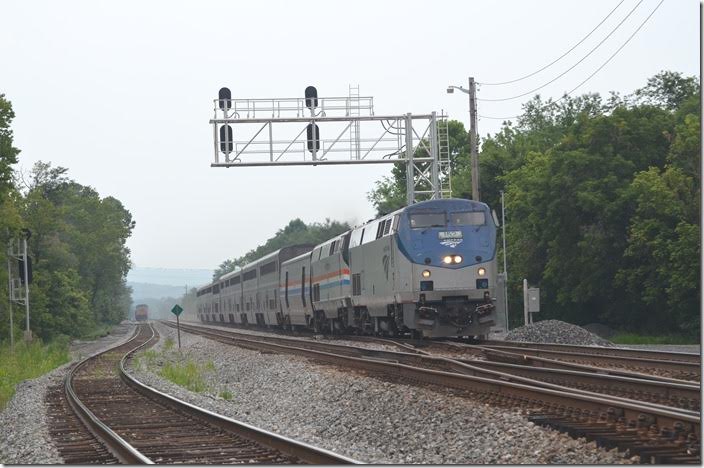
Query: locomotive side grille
{"points": [[357, 284]]}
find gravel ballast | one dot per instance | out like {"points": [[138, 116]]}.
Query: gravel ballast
{"points": [[24, 435], [556, 331], [358, 416]]}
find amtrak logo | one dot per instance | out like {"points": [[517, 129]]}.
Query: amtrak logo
{"points": [[452, 243], [385, 262]]}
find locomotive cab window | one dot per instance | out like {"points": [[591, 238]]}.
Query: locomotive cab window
{"points": [[468, 218], [427, 220]]}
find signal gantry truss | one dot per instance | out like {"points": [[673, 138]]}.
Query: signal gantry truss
{"points": [[332, 131]]}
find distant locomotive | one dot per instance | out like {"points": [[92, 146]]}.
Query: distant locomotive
{"points": [[428, 269], [141, 313]]}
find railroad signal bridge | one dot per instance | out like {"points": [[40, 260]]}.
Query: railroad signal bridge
{"points": [[319, 131]]}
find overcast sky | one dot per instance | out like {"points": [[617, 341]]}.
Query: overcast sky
{"points": [[121, 92]]}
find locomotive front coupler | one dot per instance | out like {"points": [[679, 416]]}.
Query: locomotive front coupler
{"points": [[485, 309], [427, 312]]}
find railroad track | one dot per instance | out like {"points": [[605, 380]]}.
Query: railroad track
{"points": [[620, 352], [656, 432], [678, 369], [107, 416], [666, 366], [677, 394]]}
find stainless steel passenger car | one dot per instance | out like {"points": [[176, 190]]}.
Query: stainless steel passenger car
{"points": [[249, 295], [428, 269]]}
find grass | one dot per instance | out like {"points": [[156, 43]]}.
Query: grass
{"points": [[98, 332], [29, 360], [634, 338], [226, 395], [188, 374], [168, 344]]}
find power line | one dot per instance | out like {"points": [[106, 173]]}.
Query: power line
{"points": [[590, 76], [560, 57], [573, 66]]}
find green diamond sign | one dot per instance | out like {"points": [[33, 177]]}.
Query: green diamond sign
{"points": [[176, 310]]}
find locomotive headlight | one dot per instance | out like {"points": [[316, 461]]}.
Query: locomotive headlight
{"points": [[426, 273], [481, 271], [447, 259], [457, 258]]}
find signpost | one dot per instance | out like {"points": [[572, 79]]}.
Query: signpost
{"points": [[176, 310]]}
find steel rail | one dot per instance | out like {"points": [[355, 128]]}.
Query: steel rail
{"points": [[516, 358], [624, 361], [499, 383], [614, 351], [509, 357], [120, 448], [456, 365], [412, 352], [665, 390], [300, 450]]}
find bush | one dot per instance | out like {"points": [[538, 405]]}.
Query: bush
{"points": [[28, 361], [188, 375]]}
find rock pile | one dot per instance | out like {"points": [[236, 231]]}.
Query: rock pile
{"points": [[556, 331]]}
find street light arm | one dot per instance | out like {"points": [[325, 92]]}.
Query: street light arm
{"points": [[459, 88]]}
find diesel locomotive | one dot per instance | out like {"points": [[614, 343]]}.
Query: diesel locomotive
{"points": [[141, 312], [426, 270]]}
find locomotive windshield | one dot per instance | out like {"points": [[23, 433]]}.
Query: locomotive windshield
{"points": [[468, 218], [425, 220]]}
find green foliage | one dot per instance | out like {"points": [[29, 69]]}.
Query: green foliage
{"points": [[8, 153], [29, 360], [389, 194], [168, 344], [296, 232], [602, 204], [78, 246], [80, 253], [661, 268], [187, 374], [226, 395], [59, 305], [667, 90]]}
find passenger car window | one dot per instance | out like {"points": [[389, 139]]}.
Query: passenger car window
{"points": [[425, 220]]}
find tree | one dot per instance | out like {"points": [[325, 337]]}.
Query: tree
{"points": [[10, 218], [8, 153], [661, 268], [602, 203], [295, 232], [667, 90], [76, 233], [390, 193]]}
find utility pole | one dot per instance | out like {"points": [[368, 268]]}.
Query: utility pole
{"points": [[503, 238], [19, 287], [473, 141], [9, 289], [28, 331], [526, 315]]}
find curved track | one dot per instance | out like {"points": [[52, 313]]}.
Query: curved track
{"points": [[656, 432], [139, 425]]}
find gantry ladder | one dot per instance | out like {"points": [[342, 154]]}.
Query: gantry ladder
{"points": [[354, 126], [444, 160]]}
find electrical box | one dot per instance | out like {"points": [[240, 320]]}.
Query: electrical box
{"points": [[533, 299]]}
